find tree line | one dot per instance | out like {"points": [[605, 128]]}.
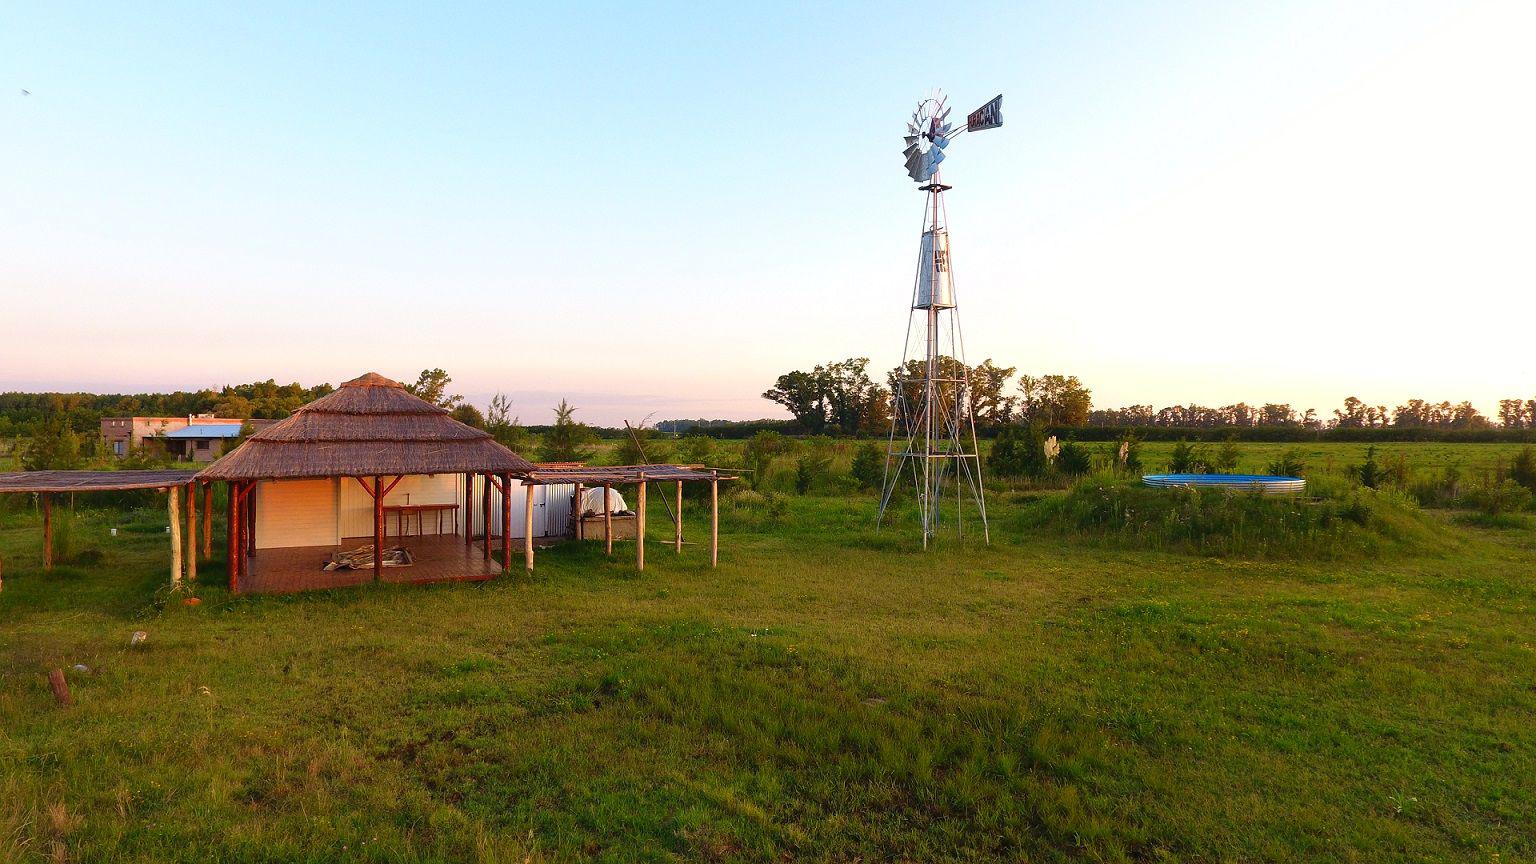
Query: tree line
{"points": [[840, 397]]}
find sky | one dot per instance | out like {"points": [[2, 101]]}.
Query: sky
{"points": [[656, 210]]}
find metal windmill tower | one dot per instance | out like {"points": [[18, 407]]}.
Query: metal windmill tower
{"points": [[933, 435]]}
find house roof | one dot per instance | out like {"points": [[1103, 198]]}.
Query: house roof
{"points": [[368, 426], [207, 430]]}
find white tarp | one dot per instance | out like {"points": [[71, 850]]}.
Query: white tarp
{"points": [[592, 501]]}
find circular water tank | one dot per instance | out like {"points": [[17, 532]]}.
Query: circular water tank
{"points": [[1268, 484]]}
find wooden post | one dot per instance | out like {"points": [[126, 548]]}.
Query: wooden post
{"points": [[528, 529], [506, 523], [378, 528], [677, 521], [578, 529], [608, 516], [172, 498], [230, 539], [191, 532], [714, 518], [469, 510], [640, 524], [60, 687], [208, 520], [486, 506], [248, 520], [47, 531]]}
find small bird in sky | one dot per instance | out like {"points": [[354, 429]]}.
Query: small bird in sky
{"points": [[26, 92]]}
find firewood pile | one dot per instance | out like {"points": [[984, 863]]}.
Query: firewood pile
{"points": [[361, 558]]}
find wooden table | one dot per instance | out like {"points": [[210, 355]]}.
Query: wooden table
{"points": [[403, 512]]}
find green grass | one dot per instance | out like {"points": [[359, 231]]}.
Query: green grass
{"points": [[828, 693]]}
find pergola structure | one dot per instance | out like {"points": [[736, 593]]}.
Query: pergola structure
{"points": [[46, 484], [640, 476]]}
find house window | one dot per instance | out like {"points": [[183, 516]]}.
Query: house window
{"points": [[202, 445], [119, 448]]}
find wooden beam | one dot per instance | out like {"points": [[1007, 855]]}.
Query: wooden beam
{"points": [[191, 532], [469, 510], [47, 530], [528, 529], [172, 497], [60, 687], [378, 530], [714, 520], [578, 530], [248, 524], [506, 523], [677, 521], [208, 520], [608, 516], [391, 487], [486, 506], [364, 484], [640, 524], [230, 539]]}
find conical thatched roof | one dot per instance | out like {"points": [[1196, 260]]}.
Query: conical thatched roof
{"points": [[370, 425]]}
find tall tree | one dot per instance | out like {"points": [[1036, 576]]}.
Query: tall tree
{"points": [[432, 386], [802, 396], [567, 440], [990, 403], [1055, 400], [504, 427]]}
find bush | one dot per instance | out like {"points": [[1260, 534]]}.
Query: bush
{"points": [[1074, 460], [1186, 458], [1223, 522], [868, 467], [1019, 451], [1496, 496], [1370, 474], [810, 469], [760, 451], [1523, 469], [1288, 465], [755, 510], [1226, 457]]}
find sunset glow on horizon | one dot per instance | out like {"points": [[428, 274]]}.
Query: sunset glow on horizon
{"points": [[657, 212]]}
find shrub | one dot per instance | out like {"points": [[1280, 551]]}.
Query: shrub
{"points": [[1226, 457], [760, 451], [1186, 458], [1222, 522], [1074, 460], [1289, 464], [755, 509], [1018, 451], [1495, 496], [696, 449], [868, 467], [1370, 474], [1523, 469], [809, 469]]}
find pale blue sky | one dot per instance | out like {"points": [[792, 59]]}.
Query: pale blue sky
{"points": [[660, 209]]}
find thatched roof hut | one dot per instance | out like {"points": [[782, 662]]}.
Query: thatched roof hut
{"points": [[370, 426]]}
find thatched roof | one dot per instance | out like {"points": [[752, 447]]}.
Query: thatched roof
{"points": [[369, 426]]}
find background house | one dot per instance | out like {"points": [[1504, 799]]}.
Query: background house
{"points": [[123, 434]]}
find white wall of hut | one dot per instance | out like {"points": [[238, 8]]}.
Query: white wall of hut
{"points": [[323, 512]]}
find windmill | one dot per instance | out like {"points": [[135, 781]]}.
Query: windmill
{"points": [[933, 432]]}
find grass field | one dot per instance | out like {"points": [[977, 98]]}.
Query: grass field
{"points": [[829, 693]]}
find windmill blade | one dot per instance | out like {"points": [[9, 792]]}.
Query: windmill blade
{"points": [[941, 142], [914, 164], [911, 139]]}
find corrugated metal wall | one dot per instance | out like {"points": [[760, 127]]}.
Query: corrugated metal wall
{"points": [[552, 518]]}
